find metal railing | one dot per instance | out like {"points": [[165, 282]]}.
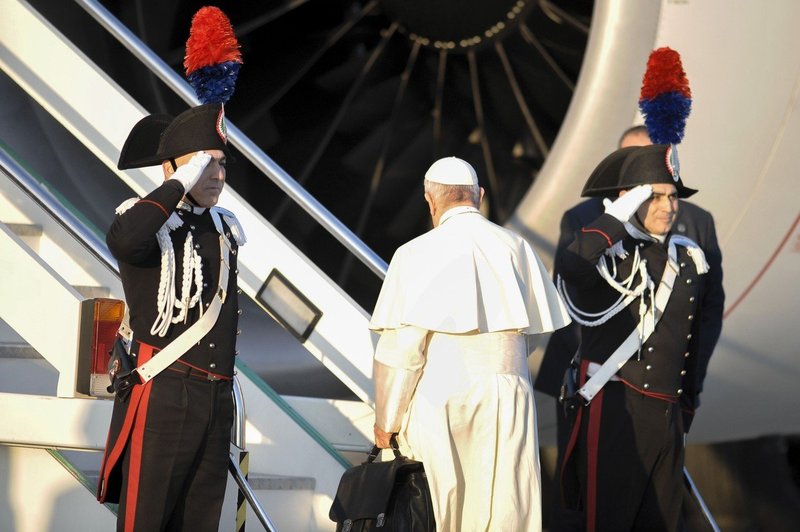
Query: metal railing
{"points": [[55, 207], [238, 440], [248, 148]]}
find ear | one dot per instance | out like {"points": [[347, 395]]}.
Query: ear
{"points": [[431, 204], [167, 169], [622, 193], [480, 200]]}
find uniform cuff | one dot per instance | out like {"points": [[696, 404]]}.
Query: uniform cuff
{"points": [[611, 229]]}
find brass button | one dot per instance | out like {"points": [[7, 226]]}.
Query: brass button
{"points": [[691, 299], [646, 386], [236, 352], [686, 354], [691, 317], [238, 332], [680, 391], [650, 349], [683, 264], [197, 246], [212, 365], [239, 291], [212, 345], [648, 367], [683, 372], [239, 312], [688, 281], [191, 227]]}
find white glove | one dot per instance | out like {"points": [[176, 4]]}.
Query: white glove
{"points": [[188, 174], [624, 206]]}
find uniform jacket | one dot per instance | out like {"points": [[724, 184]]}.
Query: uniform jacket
{"points": [[132, 241], [691, 221], [669, 359]]}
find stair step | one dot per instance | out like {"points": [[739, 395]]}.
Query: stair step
{"points": [[22, 230], [91, 292], [15, 350], [257, 481], [280, 482], [27, 376], [31, 234]]}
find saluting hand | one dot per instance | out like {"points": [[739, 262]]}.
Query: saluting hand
{"points": [[188, 174], [382, 437], [624, 206]]}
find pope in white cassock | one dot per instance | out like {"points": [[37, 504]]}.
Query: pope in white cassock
{"points": [[450, 370]]}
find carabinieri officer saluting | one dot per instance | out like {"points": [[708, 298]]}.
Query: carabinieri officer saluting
{"points": [[166, 459], [634, 287]]}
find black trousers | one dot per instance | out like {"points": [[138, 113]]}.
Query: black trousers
{"points": [[624, 470], [175, 464]]}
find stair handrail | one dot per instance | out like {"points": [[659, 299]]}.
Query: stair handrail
{"points": [[39, 192], [239, 476], [248, 148]]}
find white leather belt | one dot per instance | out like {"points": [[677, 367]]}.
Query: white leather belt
{"points": [[594, 367]]}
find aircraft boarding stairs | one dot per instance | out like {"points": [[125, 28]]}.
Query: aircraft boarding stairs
{"points": [[52, 431]]}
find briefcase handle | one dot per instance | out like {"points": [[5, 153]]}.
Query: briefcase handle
{"points": [[393, 445]]}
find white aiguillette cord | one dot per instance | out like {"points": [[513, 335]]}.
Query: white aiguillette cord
{"points": [[196, 332], [619, 357]]}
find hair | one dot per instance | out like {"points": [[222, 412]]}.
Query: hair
{"points": [[633, 130], [449, 194]]}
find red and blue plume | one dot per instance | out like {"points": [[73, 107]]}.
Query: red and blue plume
{"points": [[213, 58], [665, 100]]}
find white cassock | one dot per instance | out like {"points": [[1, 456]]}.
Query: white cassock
{"points": [[451, 372]]}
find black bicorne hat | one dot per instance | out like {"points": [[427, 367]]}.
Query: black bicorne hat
{"points": [[157, 138], [636, 165], [142, 141]]}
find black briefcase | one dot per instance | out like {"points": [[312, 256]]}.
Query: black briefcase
{"points": [[384, 496]]}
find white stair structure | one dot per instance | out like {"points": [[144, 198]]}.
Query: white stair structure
{"points": [[51, 435]]}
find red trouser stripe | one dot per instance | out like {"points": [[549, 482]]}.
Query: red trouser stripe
{"points": [[592, 445], [136, 443], [119, 446], [113, 455], [576, 428], [135, 462]]}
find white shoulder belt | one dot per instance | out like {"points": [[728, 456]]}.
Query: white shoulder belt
{"points": [[639, 335], [199, 329]]}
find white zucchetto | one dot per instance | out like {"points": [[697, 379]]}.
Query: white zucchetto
{"points": [[452, 171]]}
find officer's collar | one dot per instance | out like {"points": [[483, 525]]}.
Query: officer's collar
{"points": [[188, 207], [634, 231]]}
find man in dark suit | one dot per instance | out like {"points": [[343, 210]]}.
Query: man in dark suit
{"points": [[691, 221]]}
